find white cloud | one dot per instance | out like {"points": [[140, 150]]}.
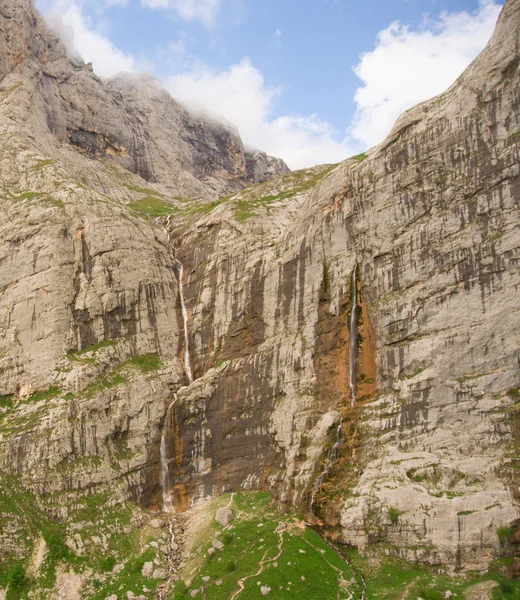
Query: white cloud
{"points": [[91, 44], [407, 67], [240, 95], [201, 10]]}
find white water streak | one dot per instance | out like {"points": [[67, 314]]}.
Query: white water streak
{"points": [[332, 456], [187, 361], [165, 473], [333, 453]]}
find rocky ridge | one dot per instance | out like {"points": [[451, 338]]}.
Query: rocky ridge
{"points": [[92, 341]]}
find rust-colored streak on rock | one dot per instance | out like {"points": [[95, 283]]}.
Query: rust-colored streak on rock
{"points": [[177, 440], [181, 497], [331, 355], [366, 372], [332, 367]]}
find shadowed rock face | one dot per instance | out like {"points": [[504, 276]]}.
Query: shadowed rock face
{"points": [[91, 336]]}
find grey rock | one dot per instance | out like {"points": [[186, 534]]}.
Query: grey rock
{"points": [[261, 167], [159, 574], [224, 516]]}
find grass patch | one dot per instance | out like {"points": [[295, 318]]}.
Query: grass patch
{"points": [[504, 533], [418, 371], [103, 383], [297, 561], [360, 157], [27, 196], [147, 191], [129, 579], [102, 524], [203, 208], [245, 209], [21, 511], [17, 581], [152, 206], [298, 182], [146, 363], [470, 377], [43, 163], [393, 514], [48, 394], [6, 401], [389, 577], [93, 349]]}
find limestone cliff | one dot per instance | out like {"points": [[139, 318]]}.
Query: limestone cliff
{"points": [[96, 228], [430, 221]]}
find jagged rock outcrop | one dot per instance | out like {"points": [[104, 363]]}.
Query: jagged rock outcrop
{"points": [[92, 332], [261, 167]]}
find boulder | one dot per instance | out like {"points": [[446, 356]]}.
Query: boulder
{"points": [[224, 516]]}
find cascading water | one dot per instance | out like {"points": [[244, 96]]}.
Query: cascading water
{"points": [[353, 337], [165, 473], [333, 453], [187, 362], [332, 456]]}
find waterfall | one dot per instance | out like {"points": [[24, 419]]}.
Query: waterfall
{"points": [[332, 456], [187, 362], [333, 453], [353, 337], [165, 473]]}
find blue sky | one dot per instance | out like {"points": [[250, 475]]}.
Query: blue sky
{"points": [[309, 80]]}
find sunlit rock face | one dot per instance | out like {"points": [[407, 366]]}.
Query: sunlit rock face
{"points": [[107, 185]]}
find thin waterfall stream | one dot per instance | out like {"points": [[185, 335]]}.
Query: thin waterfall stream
{"points": [[187, 361], [332, 456], [165, 473], [333, 452]]}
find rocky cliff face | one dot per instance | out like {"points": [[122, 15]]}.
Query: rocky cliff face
{"points": [[130, 119], [92, 328], [429, 219]]}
